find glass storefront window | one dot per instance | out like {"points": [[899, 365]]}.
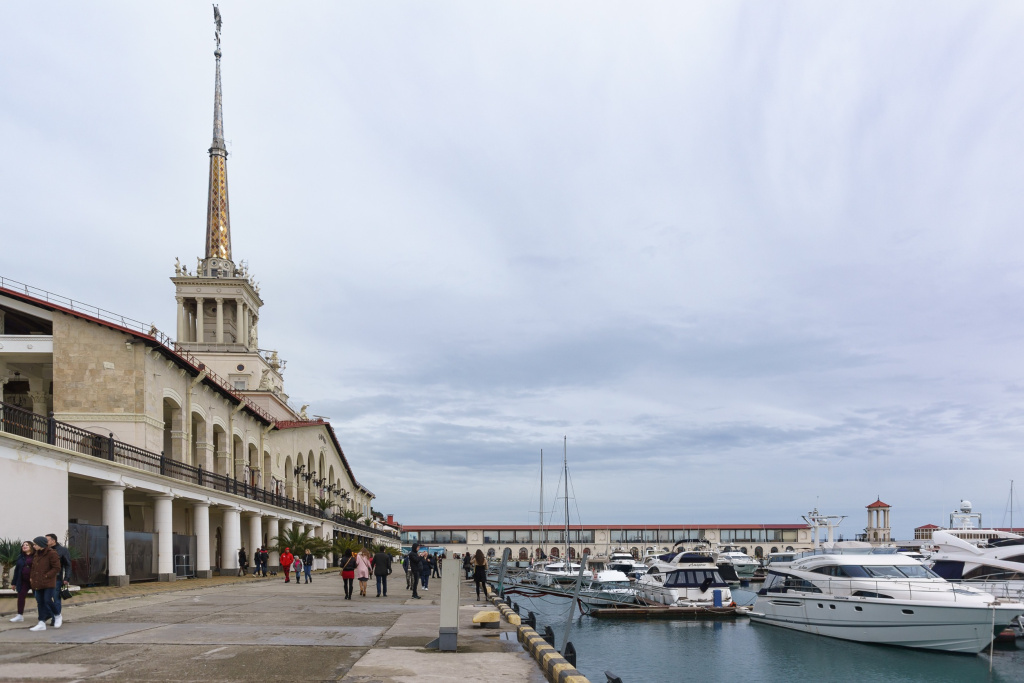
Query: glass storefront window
{"points": [[524, 536], [587, 536], [426, 537], [490, 537], [506, 536], [442, 537], [458, 536]]}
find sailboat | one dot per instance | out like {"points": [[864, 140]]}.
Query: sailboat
{"points": [[564, 570]]}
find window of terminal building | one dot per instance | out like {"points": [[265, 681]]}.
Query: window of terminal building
{"points": [[615, 535], [651, 535], [442, 537], [587, 536], [555, 535], [635, 535], [458, 536], [490, 537], [410, 536], [426, 537], [506, 536], [524, 536]]}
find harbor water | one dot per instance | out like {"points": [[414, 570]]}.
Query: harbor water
{"points": [[737, 650]]}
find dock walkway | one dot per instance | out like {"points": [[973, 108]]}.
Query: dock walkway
{"points": [[246, 629]]}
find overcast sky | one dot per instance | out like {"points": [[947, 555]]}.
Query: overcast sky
{"points": [[748, 257]]}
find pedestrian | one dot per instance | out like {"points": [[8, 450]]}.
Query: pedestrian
{"points": [[43, 579], [286, 564], [307, 565], [348, 572], [435, 565], [381, 570], [480, 573], [405, 569], [64, 577], [467, 565], [243, 562], [425, 569], [363, 569], [264, 559], [414, 568], [21, 578], [297, 566]]}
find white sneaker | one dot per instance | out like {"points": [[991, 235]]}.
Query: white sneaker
{"points": [[57, 621], [18, 617], [41, 626]]}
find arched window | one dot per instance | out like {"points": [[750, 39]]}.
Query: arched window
{"points": [[524, 554], [635, 552], [554, 552], [758, 552], [775, 549], [586, 551], [539, 553], [572, 553], [490, 552], [789, 548]]}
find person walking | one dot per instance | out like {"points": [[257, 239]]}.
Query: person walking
{"points": [[243, 562], [363, 569], [480, 573], [43, 579], [286, 564], [307, 565], [64, 577], [348, 572], [467, 565], [264, 559], [381, 570], [297, 566], [435, 566], [425, 568], [414, 568], [405, 569], [21, 578]]}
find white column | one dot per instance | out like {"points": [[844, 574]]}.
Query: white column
{"points": [[220, 320], [231, 539], [164, 525], [200, 337], [181, 318], [272, 532], [255, 538], [240, 329], [113, 518], [201, 517]]}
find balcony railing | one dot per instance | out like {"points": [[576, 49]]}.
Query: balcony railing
{"points": [[21, 422]]}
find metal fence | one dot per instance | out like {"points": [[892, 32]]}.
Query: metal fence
{"points": [[21, 422]]}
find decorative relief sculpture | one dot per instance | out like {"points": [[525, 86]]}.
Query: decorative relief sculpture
{"points": [[177, 267], [265, 380], [302, 412]]}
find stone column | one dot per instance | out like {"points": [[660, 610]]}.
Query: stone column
{"points": [[163, 524], [181, 318], [201, 517], [113, 518], [240, 330], [255, 537], [220, 320], [231, 540], [200, 336], [272, 532]]}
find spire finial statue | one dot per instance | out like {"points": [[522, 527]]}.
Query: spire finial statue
{"points": [[218, 223]]}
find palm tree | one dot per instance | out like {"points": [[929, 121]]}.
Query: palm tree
{"points": [[324, 504], [296, 539], [10, 551], [352, 515]]}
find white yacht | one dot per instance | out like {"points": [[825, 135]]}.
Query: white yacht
{"points": [[744, 565], [555, 573], [620, 560], [853, 591], [691, 580], [996, 567], [607, 587]]}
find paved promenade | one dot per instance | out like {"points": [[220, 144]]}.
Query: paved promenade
{"points": [[235, 629]]}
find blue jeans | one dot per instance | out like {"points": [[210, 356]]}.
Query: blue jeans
{"points": [[382, 585], [46, 603], [426, 578], [308, 568]]}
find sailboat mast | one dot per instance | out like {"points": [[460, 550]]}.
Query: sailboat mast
{"points": [[540, 520], [565, 475], [1011, 506]]}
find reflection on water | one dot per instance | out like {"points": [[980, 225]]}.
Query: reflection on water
{"points": [[731, 651]]}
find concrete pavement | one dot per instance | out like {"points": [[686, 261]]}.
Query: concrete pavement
{"points": [[262, 630]]}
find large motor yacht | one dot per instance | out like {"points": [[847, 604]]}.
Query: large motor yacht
{"points": [[996, 566], [744, 565], [620, 560], [690, 580], [555, 573], [607, 587], [853, 591]]}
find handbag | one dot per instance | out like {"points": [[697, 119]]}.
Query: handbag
{"points": [[65, 594]]}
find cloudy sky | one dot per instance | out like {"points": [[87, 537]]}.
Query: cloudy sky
{"points": [[748, 257]]}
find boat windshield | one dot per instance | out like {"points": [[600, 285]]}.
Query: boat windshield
{"points": [[911, 571]]}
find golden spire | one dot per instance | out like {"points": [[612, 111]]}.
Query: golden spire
{"points": [[218, 222]]}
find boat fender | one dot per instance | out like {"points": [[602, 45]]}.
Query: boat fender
{"points": [[732, 604]]}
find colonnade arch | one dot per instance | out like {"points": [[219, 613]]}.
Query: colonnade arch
{"points": [[173, 429]]}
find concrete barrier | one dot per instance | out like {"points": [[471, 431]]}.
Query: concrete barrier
{"points": [[554, 666]]}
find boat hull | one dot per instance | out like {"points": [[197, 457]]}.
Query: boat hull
{"points": [[947, 628]]}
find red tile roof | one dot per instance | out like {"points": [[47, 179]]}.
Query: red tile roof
{"points": [[613, 527], [879, 504], [928, 526]]}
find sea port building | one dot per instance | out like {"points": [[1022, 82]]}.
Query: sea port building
{"points": [[161, 458], [525, 542]]}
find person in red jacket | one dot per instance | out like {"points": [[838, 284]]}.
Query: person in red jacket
{"points": [[286, 563]]}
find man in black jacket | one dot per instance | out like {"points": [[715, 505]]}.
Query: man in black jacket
{"points": [[64, 575], [381, 569], [415, 567]]}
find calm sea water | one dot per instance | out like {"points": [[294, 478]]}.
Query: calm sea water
{"points": [[734, 651]]}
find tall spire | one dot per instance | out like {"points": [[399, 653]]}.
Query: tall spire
{"points": [[218, 222]]}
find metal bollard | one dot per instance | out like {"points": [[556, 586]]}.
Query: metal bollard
{"points": [[531, 620], [612, 678], [570, 653], [548, 635]]}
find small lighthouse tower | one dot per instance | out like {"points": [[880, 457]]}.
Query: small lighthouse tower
{"points": [[877, 530]]}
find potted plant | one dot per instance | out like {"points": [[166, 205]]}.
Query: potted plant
{"points": [[10, 551]]}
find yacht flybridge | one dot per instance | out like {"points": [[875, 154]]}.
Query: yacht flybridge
{"points": [[996, 566], [854, 591]]}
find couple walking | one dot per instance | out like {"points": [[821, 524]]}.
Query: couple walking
{"points": [[44, 566], [358, 566]]}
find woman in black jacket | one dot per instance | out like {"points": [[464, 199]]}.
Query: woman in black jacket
{"points": [[21, 573]]}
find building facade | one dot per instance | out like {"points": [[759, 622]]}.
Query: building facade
{"points": [[526, 542], [165, 457]]}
